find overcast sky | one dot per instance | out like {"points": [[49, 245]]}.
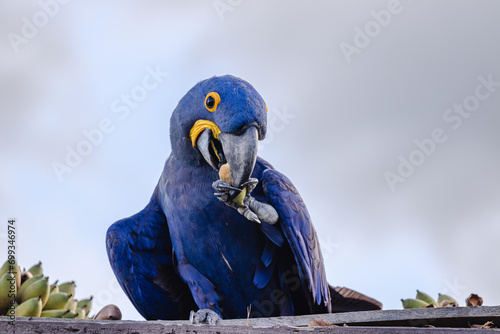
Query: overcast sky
{"points": [[385, 115]]}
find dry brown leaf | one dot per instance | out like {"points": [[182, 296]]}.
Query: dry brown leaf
{"points": [[474, 300], [487, 325]]}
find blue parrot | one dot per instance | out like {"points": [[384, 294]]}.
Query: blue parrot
{"points": [[249, 249]]}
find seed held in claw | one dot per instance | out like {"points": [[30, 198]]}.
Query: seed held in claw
{"points": [[225, 173], [241, 196]]}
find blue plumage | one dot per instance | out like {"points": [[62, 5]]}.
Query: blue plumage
{"points": [[188, 250]]}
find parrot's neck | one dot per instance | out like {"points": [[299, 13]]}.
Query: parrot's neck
{"points": [[189, 170], [184, 151], [187, 179]]}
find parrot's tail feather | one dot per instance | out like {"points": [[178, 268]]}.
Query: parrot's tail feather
{"points": [[347, 300]]}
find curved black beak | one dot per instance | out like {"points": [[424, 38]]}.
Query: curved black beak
{"points": [[240, 152]]}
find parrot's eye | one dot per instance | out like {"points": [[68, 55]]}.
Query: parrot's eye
{"points": [[212, 101]]}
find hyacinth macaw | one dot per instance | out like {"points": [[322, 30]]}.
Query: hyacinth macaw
{"points": [[247, 249]]}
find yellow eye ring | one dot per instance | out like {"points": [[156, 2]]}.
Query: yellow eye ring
{"points": [[212, 101]]}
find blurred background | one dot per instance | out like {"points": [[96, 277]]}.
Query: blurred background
{"points": [[351, 87]]}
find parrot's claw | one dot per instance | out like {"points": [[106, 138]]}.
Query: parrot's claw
{"points": [[222, 186], [204, 316], [249, 214], [251, 209], [250, 184], [222, 192], [223, 197]]}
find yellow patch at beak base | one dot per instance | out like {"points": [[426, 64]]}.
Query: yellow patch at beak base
{"points": [[201, 125]]}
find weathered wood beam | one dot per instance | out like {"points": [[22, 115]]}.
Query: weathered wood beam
{"points": [[438, 317], [369, 322]]}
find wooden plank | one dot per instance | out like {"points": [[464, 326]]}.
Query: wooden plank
{"points": [[77, 326], [389, 321], [438, 317]]}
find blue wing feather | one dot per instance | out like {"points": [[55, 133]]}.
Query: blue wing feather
{"points": [[296, 225], [273, 234], [268, 253], [263, 274], [140, 253]]}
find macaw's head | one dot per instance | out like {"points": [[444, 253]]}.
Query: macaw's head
{"points": [[220, 120]]}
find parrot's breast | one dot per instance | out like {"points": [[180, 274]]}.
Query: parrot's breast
{"points": [[214, 238]]}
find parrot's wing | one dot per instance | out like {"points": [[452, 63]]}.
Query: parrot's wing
{"points": [[140, 253], [299, 232]]}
